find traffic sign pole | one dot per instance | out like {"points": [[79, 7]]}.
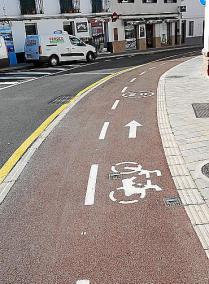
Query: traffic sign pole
{"points": [[206, 41]]}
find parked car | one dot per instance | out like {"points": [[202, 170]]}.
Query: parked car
{"points": [[56, 48], [3, 53]]}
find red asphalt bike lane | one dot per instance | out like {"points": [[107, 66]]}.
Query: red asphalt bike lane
{"points": [[55, 230]]}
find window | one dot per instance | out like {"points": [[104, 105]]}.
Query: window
{"points": [[69, 28], [115, 32], [76, 41], [31, 29], [191, 28], [125, 1], [149, 1], [97, 6], [170, 1], [66, 6], [27, 7]]}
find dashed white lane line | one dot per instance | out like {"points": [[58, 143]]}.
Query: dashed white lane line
{"points": [[124, 89], [163, 63], [104, 131], [83, 282], [115, 104], [108, 60], [142, 73], [91, 187], [132, 80], [152, 68]]}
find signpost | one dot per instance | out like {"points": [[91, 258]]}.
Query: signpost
{"points": [[206, 38]]}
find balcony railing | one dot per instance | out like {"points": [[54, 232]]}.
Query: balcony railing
{"points": [[97, 6], [69, 6], [29, 7]]}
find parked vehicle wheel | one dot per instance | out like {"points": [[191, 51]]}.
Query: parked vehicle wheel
{"points": [[90, 57], [53, 60]]}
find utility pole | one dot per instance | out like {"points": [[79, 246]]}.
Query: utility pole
{"points": [[206, 41]]}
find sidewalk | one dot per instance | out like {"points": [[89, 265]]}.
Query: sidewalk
{"points": [[186, 138]]}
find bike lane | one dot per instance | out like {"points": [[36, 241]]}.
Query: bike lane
{"points": [[91, 204]]}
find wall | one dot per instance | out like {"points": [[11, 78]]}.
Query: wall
{"points": [[12, 8], [148, 8], [85, 6], [51, 7], [195, 12]]}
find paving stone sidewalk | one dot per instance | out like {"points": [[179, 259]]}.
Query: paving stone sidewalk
{"points": [[185, 139], [184, 86]]}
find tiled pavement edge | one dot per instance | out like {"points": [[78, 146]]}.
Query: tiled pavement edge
{"points": [[185, 139]]}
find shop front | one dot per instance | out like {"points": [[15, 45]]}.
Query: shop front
{"points": [[99, 33]]}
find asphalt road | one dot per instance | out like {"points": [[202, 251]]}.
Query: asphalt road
{"points": [[66, 221], [24, 106]]}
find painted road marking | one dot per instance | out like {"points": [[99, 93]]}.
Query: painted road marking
{"points": [[8, 83], [83, 282], [142, 73], [16, 78], [152, 68], [91, 187], [104, 131], [132, 80], [133, 125], [131, 185], [124, 89], [115, 104]]}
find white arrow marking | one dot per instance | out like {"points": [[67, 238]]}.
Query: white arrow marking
{"points": [[133, 128]]}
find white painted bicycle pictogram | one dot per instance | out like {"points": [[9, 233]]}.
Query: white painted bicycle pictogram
{"points": [[130, 186]]}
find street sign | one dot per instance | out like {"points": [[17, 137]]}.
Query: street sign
{"points": [[203, 2]]}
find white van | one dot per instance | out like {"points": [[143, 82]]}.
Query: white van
{"points": [[57, 48], [3, 53]]}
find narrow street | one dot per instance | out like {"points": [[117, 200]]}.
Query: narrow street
{"points": [[94, 203]]}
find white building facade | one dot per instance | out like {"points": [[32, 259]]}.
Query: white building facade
{"points": [[192, 22], [117, 25]]}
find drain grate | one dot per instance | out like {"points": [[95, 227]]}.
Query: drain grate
{"points": [[205, 170], [172, 201], [61, 100], [175, 77], [201, 110], [114, 176]]}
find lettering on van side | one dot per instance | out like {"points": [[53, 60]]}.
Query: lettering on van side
{"points": [[56, 39]]}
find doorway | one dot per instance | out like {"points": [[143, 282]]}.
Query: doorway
{"points": [[183, 32], [150, 35]]}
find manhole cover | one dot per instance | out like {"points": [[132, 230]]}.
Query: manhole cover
{"points": [[135, 95], [201, 110], [61, 100], [205, 170], [172, 201]]}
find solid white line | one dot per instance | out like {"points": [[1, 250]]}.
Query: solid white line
{"points": [[15, 78], [29, 72], [132, 80], [90, 193], [83, 282], [115, 104], [104, 131], [8, 83], [142, 73], [124, 89]]}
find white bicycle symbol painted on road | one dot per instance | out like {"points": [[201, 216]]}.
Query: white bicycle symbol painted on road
{"points": [[130, 186]]}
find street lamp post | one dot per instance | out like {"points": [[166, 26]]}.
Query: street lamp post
{"points": [[206, 40]]}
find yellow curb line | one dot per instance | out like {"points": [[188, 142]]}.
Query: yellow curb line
{"points": [[11, 162]]}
